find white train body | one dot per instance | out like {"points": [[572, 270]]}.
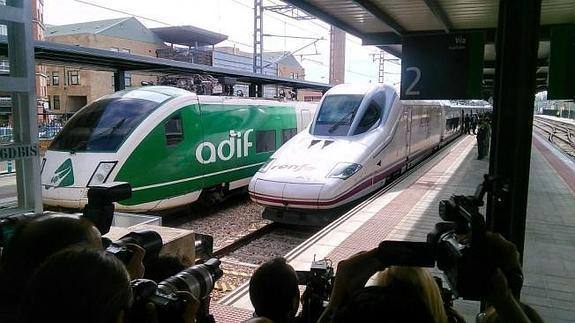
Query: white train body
{"points": [[360, 136]]}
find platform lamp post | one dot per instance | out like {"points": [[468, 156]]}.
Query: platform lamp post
{"points": [[514, 94]]}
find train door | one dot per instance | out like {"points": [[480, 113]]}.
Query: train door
{"points": [[407, 115]]}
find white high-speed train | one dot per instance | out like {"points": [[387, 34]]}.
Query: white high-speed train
{"points": [[360, 136]]}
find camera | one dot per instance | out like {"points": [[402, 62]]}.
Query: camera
{"points": [[100, 207], [319, 283], [198, 280], [458, 246], [149, 240]]}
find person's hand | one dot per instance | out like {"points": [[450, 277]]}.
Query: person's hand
{"points": [[352, 275], [136, 266], [504, 255], [188, 315]]}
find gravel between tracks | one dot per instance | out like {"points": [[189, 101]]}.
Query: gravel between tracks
{"points": [[227, 222]]}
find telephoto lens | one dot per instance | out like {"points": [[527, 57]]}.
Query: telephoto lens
{"points": [[199, 280], [170, 307]]}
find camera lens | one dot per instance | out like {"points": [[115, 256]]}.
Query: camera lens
{"points": [[199, 280]]}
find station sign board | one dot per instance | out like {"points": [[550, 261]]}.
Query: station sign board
{"points": [[442, 66], [562, 63], [11, 152]]}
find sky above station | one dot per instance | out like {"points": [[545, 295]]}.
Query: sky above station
{"points": [[234, 18]]}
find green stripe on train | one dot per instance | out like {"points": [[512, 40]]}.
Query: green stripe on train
{"points": [[214, 141]]}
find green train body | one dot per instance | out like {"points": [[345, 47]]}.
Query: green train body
{"points": [[169, 144]]}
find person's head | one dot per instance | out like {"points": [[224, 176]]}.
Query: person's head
{"points": [[396, 303], [420, 282], [36, 240], [274, 291], [78, 285]]}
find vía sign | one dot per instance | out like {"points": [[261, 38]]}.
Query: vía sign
{"points": [[237, 145], [19, 151]]}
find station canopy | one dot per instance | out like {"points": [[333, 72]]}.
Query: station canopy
{"points": [[189, 36], [387, 23]]}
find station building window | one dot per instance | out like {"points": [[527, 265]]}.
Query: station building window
{"points": [[56, 102], [55, 78], [174, 130], [265, 141], [127, 80], [287, 134], [74, 77]]}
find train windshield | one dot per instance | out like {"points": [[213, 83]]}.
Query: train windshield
{"points": [[336, 114], [103, 125]]}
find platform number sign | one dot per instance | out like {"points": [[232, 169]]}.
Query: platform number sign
{"points": [[446, 66], [562, 63]]}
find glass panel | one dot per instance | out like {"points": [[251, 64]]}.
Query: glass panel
{"points": [[371, 116], [287, 134], [265, 141], [8, 188], [103, 125], [336, 114], [174, 130]]}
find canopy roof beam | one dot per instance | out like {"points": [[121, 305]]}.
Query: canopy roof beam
{"points": [[440, 14], [382, 16]]}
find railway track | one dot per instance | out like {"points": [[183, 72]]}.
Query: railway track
{"points": [[559, 133]]}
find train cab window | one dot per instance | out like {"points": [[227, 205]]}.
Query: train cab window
{"points": [[287, 134], [174, 130], [265, 141], [103, 125], [336, 115], [371, 116]]}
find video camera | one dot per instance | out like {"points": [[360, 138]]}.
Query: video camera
{"points": [[458, 246], [199, 280], [319, 283]]}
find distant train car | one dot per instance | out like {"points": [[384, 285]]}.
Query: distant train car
{"points": [[360, 136], [169, 144]]}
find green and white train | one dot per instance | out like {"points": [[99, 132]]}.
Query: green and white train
{"points": [[169, 144]]}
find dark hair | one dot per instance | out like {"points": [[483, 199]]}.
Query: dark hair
{"points": [[273, 287], [77, 285], [36, 240], [391, 304], [162, 267]]}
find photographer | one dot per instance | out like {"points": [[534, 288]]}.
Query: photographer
{"points": [[36, 240], [397, 303], [85, 285], [274, 292]]}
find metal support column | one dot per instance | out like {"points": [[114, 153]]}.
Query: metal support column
{"points": [[119, 80], [22, 84], [515, 76], [258, 37]]}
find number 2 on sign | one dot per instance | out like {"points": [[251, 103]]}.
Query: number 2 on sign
{"points": [[409, 90]]}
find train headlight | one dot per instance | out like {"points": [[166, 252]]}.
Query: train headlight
{"points": [[266, 165], [344, 170], [102, 172]]}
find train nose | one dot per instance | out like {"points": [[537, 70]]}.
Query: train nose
{"points": [[286, 194]]}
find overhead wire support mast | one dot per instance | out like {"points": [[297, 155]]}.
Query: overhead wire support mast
{"points": [[258, 37], [290, 12]]}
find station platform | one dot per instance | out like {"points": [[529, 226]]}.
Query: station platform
{"points": [[409, 210]]}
